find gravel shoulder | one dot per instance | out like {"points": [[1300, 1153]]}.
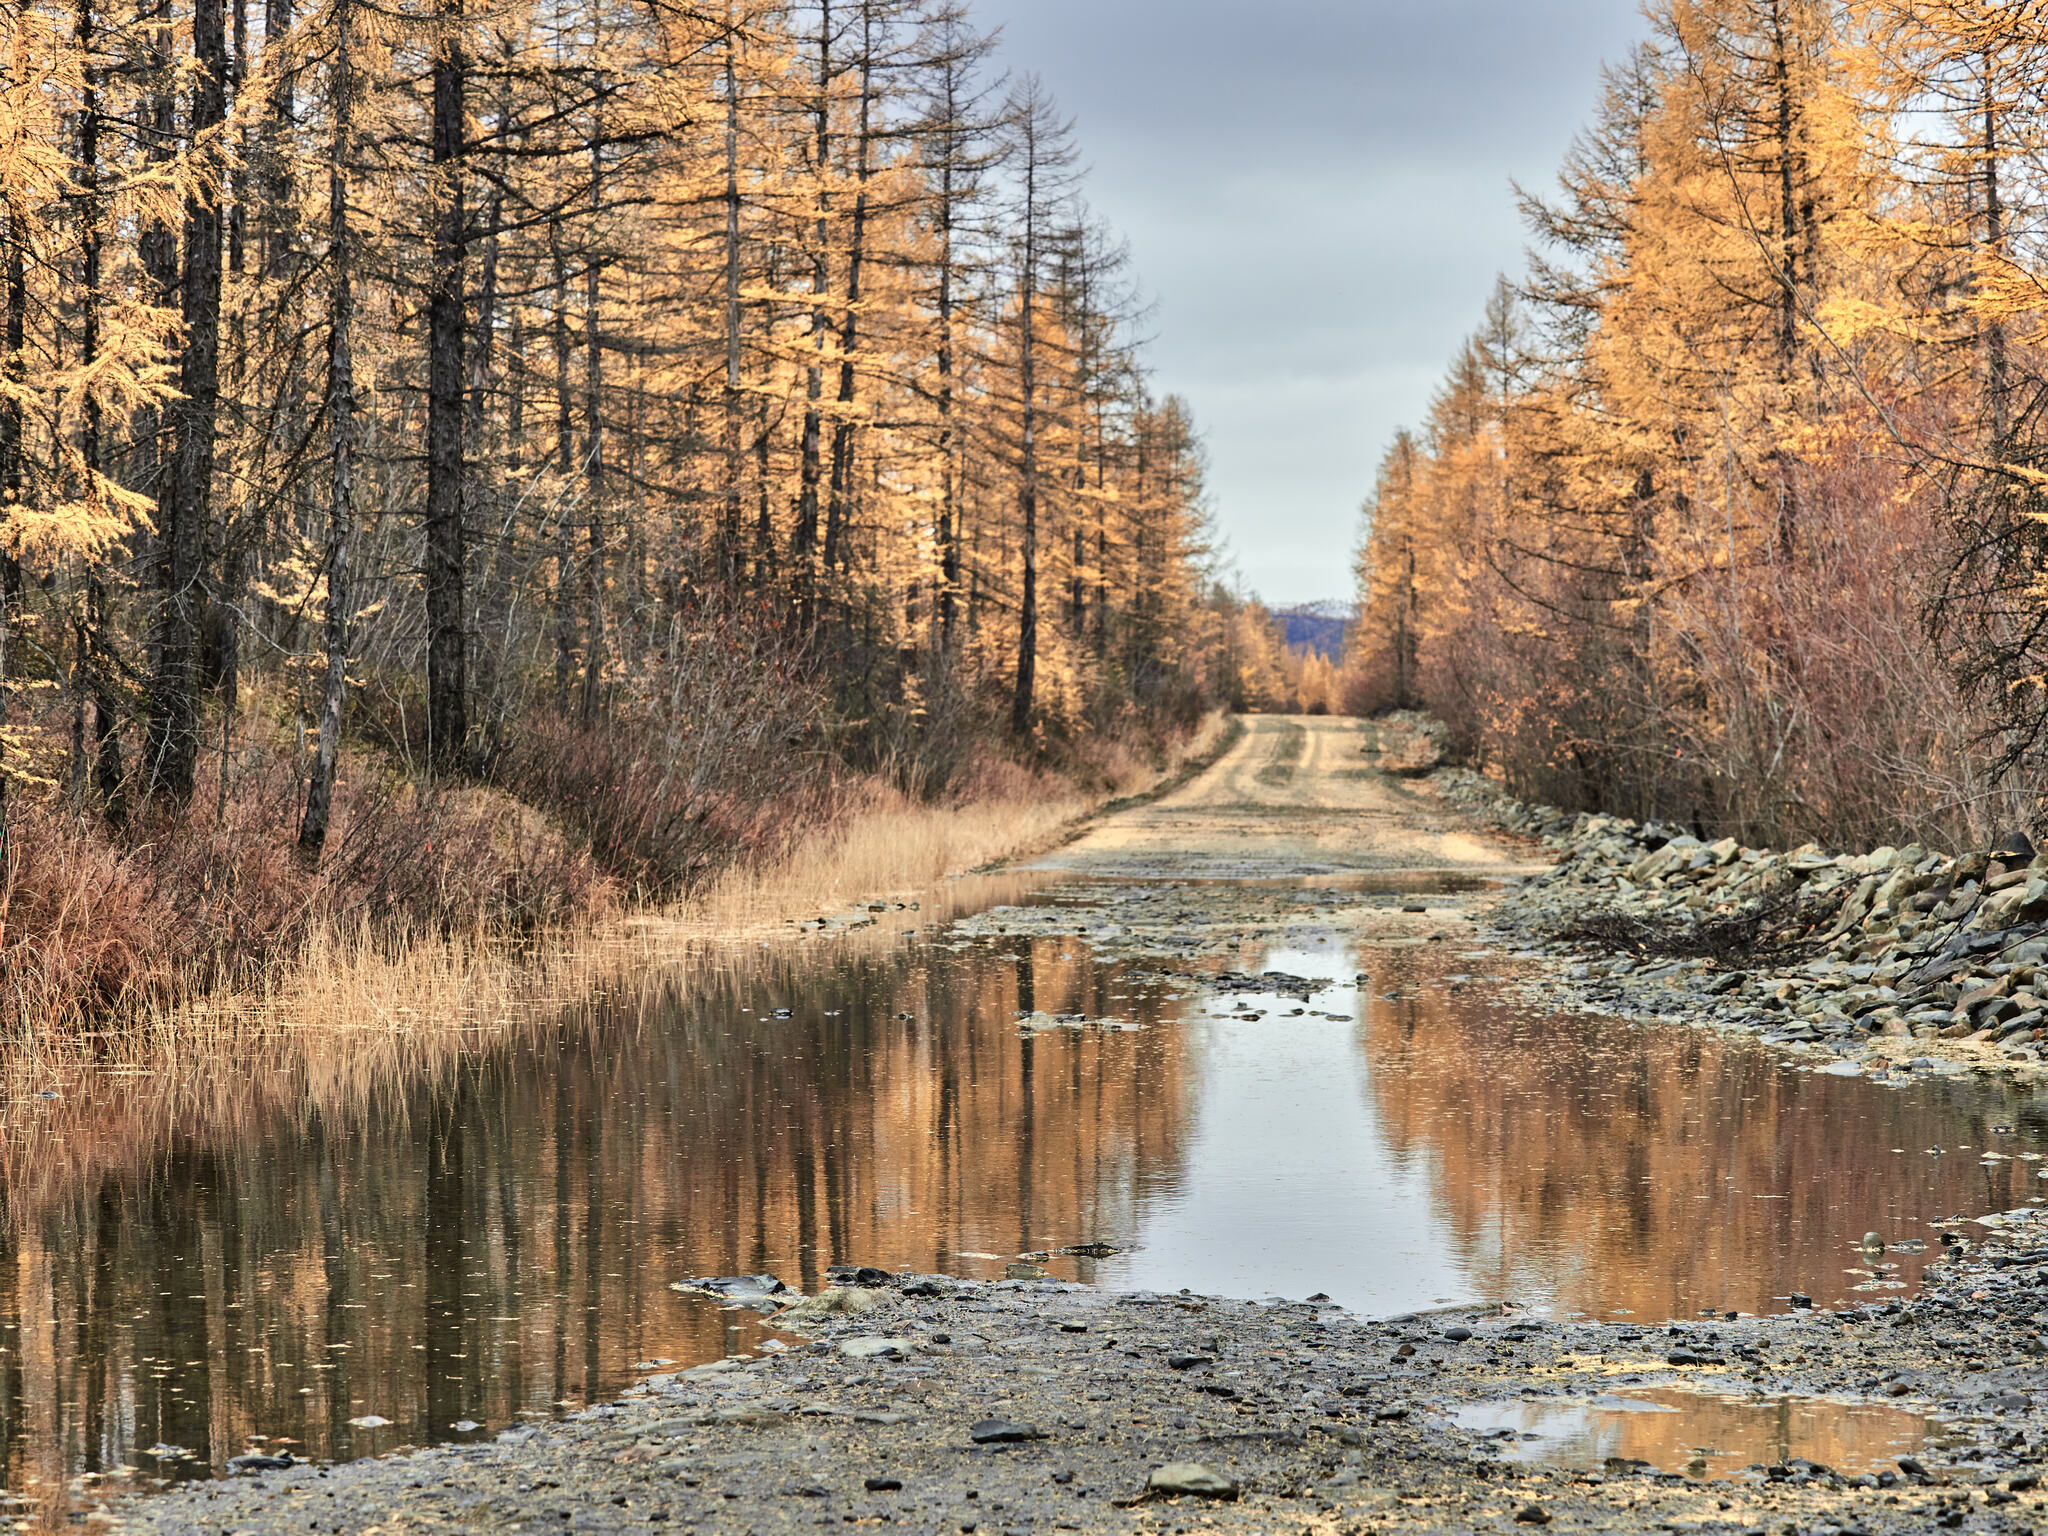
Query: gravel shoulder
{"points": [[1886, 963]]}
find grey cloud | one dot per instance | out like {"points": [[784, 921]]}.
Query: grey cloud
{"points": [[1316, 194]]}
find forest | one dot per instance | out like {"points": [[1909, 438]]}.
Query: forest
{"points": [[1731, 509], [465, 463]]}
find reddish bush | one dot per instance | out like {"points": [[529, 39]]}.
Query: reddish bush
{"points": [[93, 921], [719, 754]]}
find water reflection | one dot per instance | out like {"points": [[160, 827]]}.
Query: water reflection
{"points": [[501, 1243], [1703, 1434], [494, 1234], [1658, 1171]]}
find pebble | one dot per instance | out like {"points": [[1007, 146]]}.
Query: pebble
{"points": [[875, 1347], [1190, 1477], [1003, 1432]]}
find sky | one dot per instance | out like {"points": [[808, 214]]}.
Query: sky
{"points": [[1317, 198]]}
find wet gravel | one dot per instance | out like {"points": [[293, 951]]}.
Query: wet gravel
{"points": [[946, 1405]]}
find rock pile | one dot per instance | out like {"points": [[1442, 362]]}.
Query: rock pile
{"points": [[1896, 958]]}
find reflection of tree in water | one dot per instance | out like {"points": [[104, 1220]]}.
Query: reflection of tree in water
{"points": [[1660, 1170], [1667, 1427], [500, 1239]]}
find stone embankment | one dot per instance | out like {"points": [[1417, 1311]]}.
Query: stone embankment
{"points": [[1896, 960]]}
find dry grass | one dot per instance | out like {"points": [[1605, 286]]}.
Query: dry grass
{"points": [[361, 1011], [895, 847]]}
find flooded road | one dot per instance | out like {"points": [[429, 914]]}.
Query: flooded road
{"points": [[503, 1245], [1392, 1123]]}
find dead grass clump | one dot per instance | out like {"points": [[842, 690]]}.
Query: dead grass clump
{"points": [[1771, 931], [894, 846], [891, 844]]}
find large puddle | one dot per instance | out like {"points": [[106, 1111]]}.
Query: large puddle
{"points": [[1700, 1434], [500, 1241]]}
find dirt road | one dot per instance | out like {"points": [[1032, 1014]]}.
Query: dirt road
{"points": [[1298, 795]]}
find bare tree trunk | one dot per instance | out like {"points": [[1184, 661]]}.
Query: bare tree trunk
{"points": [[13, 481], [837, 503], [185, 510], [1997, 373], [483, 493], [95, 683], [158, 249], [734, 404], [341, 436], [949, 481], [593, 438], [446, 542], [280, 223], [804, 538], [1027, 515], [565, 469], [1788, 260]]}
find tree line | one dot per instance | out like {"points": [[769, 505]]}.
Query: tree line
{"points": [[1731, 510], [551, 393]]}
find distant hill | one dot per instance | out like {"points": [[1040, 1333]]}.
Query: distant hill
{"points": [[1319, 627]]}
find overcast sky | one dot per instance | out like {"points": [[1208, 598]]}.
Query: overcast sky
{"points": [[1316, 196]]}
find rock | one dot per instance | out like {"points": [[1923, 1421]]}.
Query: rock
{"points": [[1391, 1413], [1872, 1243], [857, 1274], [2015, 847], [736, 1287], [1191, 1478], [244, 1465], [1532, 1514], [1091, 1251], [884, 1484], [750, 1418], [841, 1300], [1188, 1362], [1458, 1335], [1003, 1432], [870, 1346], [1910, 1465]]}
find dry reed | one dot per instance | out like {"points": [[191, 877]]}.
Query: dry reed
{"points": [[360, 1011]]}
